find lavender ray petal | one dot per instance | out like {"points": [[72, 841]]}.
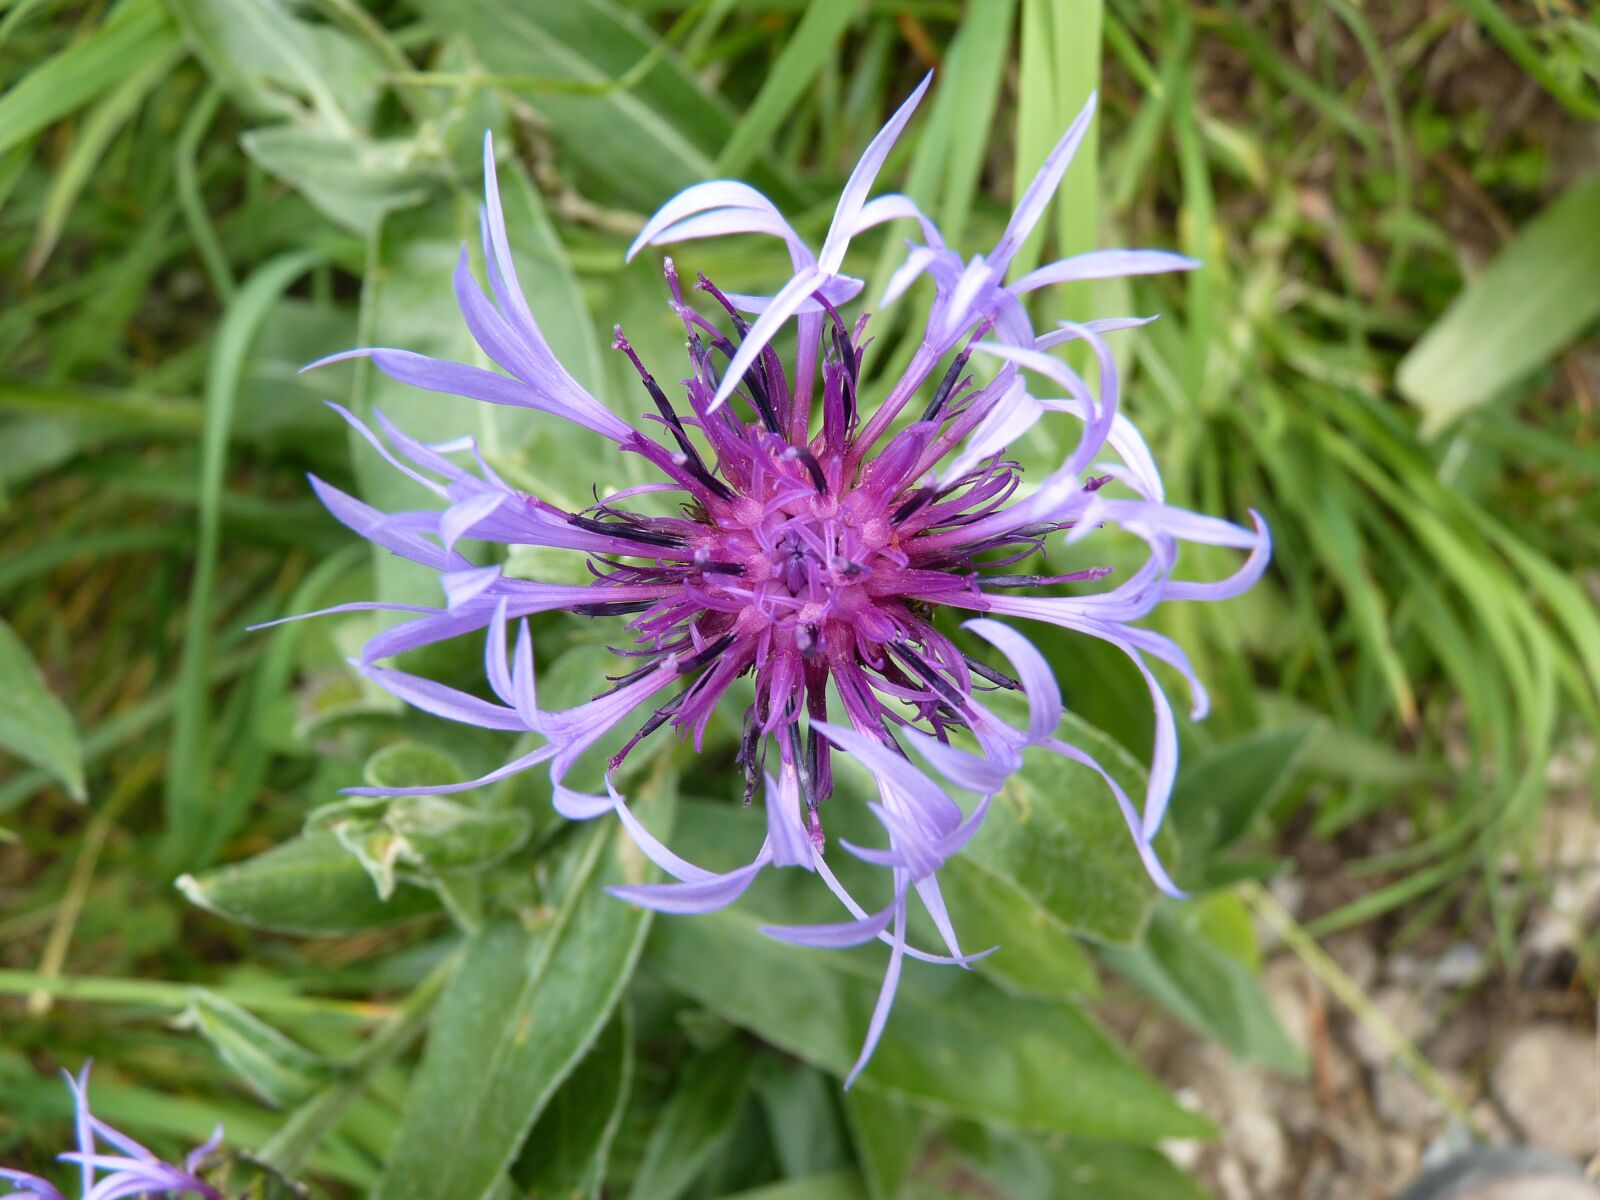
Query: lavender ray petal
{"points": [[853, 197], [702, 896], [1236, 584], [1147, 854], [1033, 672], [891, 983], [832, 936], [443, 701], [1034, 201], [783, 306], [1103, 264], [532, 759]]}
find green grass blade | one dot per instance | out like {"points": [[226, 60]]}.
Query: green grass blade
{"points": [[136, 34], [187, 797], [802, 57], [99, 129]]}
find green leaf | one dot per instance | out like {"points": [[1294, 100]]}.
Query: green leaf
{"points": [[1109, 1172], [95, 134], [1220, 792], [1030, 1167], [431, 835], [280, 1071], [1037, 954], [953, 1043], [565, 1155], [34, 725], [408, 764], [310, 885], [273, 64], [525, 1006], [639, 143], [138, 33], [973, 75], [707, 1097], [1204, 986], [353, 181], [1055, 833], [1533, 299], [887, 1134]]}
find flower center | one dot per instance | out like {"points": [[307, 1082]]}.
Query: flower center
{"points": [[804, 567]]}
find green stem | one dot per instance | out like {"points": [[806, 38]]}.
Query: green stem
{"points": [[1332, 976]]}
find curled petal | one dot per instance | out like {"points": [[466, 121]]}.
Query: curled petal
{"points": [[704, 197], [698, 896], [1240, 581], [833, 936], [1033, 672]]}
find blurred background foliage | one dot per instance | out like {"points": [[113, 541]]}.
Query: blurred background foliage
{"points": [[1397, 208]]}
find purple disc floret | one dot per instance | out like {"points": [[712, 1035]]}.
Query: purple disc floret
{"points": [[811, 540]]}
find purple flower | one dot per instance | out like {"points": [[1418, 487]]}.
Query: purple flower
{"points": [[130, 1171], [806, 538]]}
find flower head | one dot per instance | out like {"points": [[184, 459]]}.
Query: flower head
{"points": [[811, 541], [131, 1170]]}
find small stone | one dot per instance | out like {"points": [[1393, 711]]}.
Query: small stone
{"points": [[1403, 1103], [1352, 949], [1252, 1154], [1545, 1080], [1536, 1187]]}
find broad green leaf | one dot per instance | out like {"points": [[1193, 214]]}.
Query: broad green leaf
{"points": [[1534, 298], [136, 34], [1110, 1172], [887, 1134], [565, 1155], [1054, 831], [310, 885], [1204, 986], [34, 725], [1220, 792], [707, 1097], [280, 1071], [522, 1010], [638, 143], [353, 181], [408, 764], [1037, 956], [274, 64], [953, 1043], [1044, 1169]]}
